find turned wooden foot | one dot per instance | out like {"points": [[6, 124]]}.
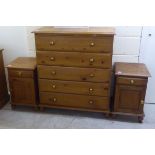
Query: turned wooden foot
{"points": [[140, 119]]}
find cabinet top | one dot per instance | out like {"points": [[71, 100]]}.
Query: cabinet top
{"points": [[26, 63], [76, 30], [131, 69]]}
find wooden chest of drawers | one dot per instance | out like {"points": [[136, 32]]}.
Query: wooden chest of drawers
{"points": [[74, 67], [23, 82]]}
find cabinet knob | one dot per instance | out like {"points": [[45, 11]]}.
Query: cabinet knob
{"points": [[19, 73], [53, 86], [132, 81], [52, 43], [90, 89], [92, 44], [54, 99], [53, 73], [92, 75], [91, 60], [52, 59], [91, 102], [142, 102]]}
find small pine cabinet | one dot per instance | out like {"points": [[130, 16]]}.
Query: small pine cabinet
{"points": [[130, 89], [22, 81]]}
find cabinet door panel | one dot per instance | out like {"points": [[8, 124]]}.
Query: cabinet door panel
{"points": [[22, 91], [129, 99]]}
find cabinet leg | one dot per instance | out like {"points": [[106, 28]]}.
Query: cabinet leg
{"points": [[42, 108], [140, 119], [13, 106]]}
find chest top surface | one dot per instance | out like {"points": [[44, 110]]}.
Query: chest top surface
{"points": [[131, 69], [76, 30], [27, 63]]}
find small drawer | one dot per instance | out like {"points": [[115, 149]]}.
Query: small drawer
{"points": [[74, 73], [83, 88], [75, 59], [131, 81], [74, 101], [74, 43], [20, 73]]}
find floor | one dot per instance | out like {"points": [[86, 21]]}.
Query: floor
{"points": [[26, 117]]}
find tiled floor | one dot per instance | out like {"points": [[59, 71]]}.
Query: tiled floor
{"points": [[25, 117]]}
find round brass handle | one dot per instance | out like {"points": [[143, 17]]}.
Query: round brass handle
{"points": [[53, 86], [53, 72], [132, 81], [52, 43], [92, 44], [52, 58], [90, 89], [54, 99], [91, 60], [19, 73], [92, 75], [91, 102]]}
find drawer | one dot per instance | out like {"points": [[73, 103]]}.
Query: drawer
{"points": [[74, 43], [74, 73], [131, 81], [20, 73], [85, 88], [75, 59], [75, 101]]}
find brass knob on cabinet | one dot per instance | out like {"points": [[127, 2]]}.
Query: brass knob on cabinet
{"points": [[92, 44], [90, 89], [92, 75], [53, 86], [142, 102], [54, 99], [20, 73], [52, 58], [132, 81], [52, 43], [53, 72], [91, 102], [91, 60]]}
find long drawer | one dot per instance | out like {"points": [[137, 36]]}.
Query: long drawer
{"points": [[72, 100], [75, 59], [74, 43], [74, 73], [86, 88]]}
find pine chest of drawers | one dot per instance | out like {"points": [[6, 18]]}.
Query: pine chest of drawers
{"points": [[74, 67]]}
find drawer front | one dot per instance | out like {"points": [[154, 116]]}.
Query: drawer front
{"points": [[76, 101], [74, 59], [86, 88], [75, 74], [131, 81], [74, 43], [20, 73]]}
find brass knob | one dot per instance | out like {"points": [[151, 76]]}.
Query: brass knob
{"points": [[92, 75], [54, 99], [142, 102], [53, 86], [52, 43], [91, 60], [52, 58], [53, 72], [90, 89], [19, 73], [92, 44], [91, 102], [132, 81]]}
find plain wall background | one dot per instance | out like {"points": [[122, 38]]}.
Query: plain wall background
{"points": [[19, 41]]}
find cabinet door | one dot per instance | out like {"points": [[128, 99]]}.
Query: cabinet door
{"points": [[22, 91], [129, 99]]}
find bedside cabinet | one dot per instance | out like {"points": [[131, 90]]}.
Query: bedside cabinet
{"points": [[4, 96], [23, 81], [130, 88]]}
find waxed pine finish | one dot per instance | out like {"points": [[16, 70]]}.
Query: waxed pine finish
{"points": [[74, 67]]}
